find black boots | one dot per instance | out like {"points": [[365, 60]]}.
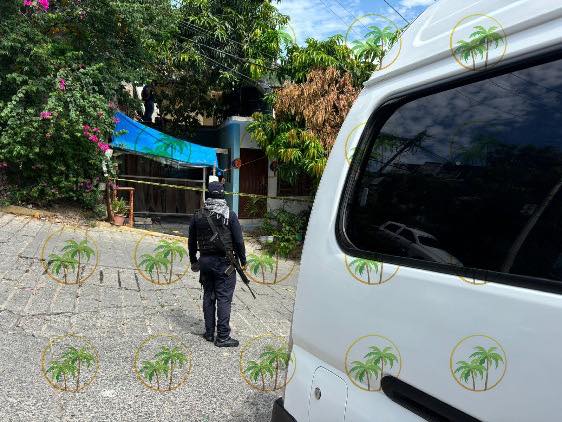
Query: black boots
{"points": [[227, 342], [209, 337]]}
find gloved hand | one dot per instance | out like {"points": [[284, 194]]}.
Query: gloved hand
{"points": [[195, 267]]}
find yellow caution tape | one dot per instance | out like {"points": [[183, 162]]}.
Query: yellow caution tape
{"points": [[248, 195]]}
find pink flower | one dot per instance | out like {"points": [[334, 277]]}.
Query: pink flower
{"points": [[93, 138], [96, 130], [116, 120], [45, 115], [27, 2], [44, 3], [62, 85], [86, 127], [103, 146]]}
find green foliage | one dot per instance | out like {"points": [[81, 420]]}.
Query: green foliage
{"points": [[295, 149], [220, 46], [92, 46], [119, 207], [333, 52], [287, 229]]}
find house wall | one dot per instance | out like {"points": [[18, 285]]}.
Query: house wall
{"points": [[233, 135]]}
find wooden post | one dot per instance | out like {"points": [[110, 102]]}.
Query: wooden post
{"points": [[108, 196], [204, 186], [132, 207]]}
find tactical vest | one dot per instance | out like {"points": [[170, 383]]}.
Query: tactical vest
{"points": [[205, 233]]}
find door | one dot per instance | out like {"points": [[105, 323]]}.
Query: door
{"points": [[473, 327], [253, 179], [328, 397]]}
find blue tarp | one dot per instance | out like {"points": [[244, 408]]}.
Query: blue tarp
{"points": [[144, 140]]}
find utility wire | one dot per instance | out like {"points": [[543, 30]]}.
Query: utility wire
{"points": [[399, 14], [338, 16], [352, 15], [194, 27]]}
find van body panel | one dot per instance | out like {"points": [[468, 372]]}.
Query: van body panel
{"points": [[425, 314]]}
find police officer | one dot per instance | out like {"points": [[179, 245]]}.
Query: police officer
{"points": [[218, 287]]}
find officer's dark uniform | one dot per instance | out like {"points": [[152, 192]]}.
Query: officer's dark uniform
{"points": [[217, 286]]}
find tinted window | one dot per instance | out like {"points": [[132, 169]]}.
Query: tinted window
{"points": [[393, 227], [408, 235], [477, 167]]}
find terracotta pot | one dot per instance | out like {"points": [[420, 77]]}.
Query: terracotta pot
{"points": [[118, 220]]}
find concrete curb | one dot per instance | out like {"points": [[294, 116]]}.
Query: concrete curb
{"points": [[28, 212], [36, 213]]}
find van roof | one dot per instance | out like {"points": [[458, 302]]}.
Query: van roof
{"points": [[428, 38]]}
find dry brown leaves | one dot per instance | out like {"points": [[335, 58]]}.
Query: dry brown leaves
{"points": [[321, 103]]}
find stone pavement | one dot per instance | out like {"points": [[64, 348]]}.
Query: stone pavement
{"points": [[117, 309]]}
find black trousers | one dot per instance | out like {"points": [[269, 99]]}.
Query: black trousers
{"points": [[218, 289]]}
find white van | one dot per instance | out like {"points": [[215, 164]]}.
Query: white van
{"points": [[460, 138]]}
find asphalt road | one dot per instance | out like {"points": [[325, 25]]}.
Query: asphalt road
{"points": [[116, 309]]}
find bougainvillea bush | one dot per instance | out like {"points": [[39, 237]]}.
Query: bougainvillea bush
{"points": [[62, 68]]}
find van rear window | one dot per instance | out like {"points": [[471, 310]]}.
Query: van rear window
{"points": [[477, 167]]}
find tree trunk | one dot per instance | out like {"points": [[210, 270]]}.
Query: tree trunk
{"points": [[171, 268], [108, 200], [262, 381], [487, 370], [368, 275], [78, 270], [276, 266], [157, 381], [262, 274], [368, 382], [276, 375], [473, 382], [64, 381], [171, 375], [157, 275], [473, 60], [380, 276], [487, 51], [78, 376], [512, 254]]}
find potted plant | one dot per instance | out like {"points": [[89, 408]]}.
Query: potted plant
{"points": [[120, 210]]}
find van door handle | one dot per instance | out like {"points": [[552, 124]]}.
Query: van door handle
{"points": [[420, 403]]}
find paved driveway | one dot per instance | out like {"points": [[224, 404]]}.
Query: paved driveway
{"points": [[117, 309]]}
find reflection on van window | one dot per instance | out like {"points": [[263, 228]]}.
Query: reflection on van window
{"points": [[470, 177]]}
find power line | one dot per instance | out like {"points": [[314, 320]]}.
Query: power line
{"points": [[399, 14], [338, 16], [228, 54], [352, 15], [195, 27]]}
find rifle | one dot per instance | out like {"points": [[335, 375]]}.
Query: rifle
{"points": [[219, 242]]}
